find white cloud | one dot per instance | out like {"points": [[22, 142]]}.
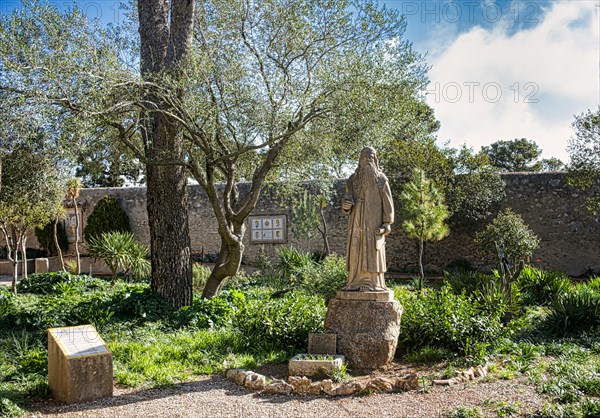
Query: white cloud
{"points": [[546, 75]]}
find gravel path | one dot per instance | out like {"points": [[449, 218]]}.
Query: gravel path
{"points": [[217, 397]]}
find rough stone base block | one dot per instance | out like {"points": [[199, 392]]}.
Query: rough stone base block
{"points": [[380, 295], [367, 331], [80, 367], [322, 343]]}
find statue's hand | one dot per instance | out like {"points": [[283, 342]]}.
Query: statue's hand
{"points": [[346, 205], [385, 229]]}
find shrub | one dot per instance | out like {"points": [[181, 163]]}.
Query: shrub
{"points": [[107, 216], [280, 324], [199, 277], [541, 287], [512, 234], [444, 319], [294, 265], [576, 310], [120, 251], [45, 237], [327, 277], [210, 313], [50, 283]]}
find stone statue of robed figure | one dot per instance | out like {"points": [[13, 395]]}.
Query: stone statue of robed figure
{"points": [[368, 202]]}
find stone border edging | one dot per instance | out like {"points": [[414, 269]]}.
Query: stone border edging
{"points": [[304, 386]]}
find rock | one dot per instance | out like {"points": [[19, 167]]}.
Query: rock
{"points": [[380, 384], [240, 377], [279, 387], [481, 371], [445, 382], [232, 373], [315, 388], [327, 387], [406, 383], [255, 381], [301, 385], [367, 331], [349, 388], [322, 343]]}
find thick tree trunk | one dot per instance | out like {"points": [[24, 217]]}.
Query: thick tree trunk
{"points": [[165, 34], [227, 265]]}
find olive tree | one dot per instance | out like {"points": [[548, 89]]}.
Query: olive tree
{"points": [[230, 91], [31, 190]]}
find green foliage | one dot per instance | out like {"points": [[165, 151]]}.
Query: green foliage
{"points": [[424, 213], [508, 231], [120, 251], [447, 320], [200, 275], [282, 323], [45, 237], [516, 155], [541, 287], [48, 283], [305, 214], [327, 277], [107, 216], [294, 266], [575, 310], [584, 170], [9, 409], [465, 412], [210, 313], [474, 188]]}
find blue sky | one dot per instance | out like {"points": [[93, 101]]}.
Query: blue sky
{"points": [[500, 69]]}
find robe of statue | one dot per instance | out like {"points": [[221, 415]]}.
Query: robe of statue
{"points": [[372, 206]]}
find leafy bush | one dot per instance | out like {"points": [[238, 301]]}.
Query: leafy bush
{"points": [[6, 301], [107, 216], [467, 281], [294, 266], [210, 313], [327, 277], [575, 310], [509, 231], [541, 287], [45, 237], [199, 277], [447, 320], [283, 323], [50, 283], [120, 251]]}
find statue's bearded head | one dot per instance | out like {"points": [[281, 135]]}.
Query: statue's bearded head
{"points": [[368, 167]]}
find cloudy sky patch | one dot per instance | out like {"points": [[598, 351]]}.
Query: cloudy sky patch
{"points": [[509, 69]]}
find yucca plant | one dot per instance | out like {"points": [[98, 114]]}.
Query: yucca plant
{"points": [[120, 251]]}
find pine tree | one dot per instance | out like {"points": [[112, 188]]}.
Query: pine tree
{"points": [[424, 213]]}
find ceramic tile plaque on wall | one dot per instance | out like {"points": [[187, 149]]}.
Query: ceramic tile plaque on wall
{"points": [[268, 229]]}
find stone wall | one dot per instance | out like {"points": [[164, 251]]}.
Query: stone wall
{"points": [[570, 236]]}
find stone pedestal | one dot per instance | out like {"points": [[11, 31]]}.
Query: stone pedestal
{"points": [[41, 265], [367, 330], [80, 367], [322, 343]]}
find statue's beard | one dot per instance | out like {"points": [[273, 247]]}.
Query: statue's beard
{"points": [[367, 175]]}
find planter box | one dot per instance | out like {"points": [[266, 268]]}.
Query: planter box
{"points": [[303, 365]]}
